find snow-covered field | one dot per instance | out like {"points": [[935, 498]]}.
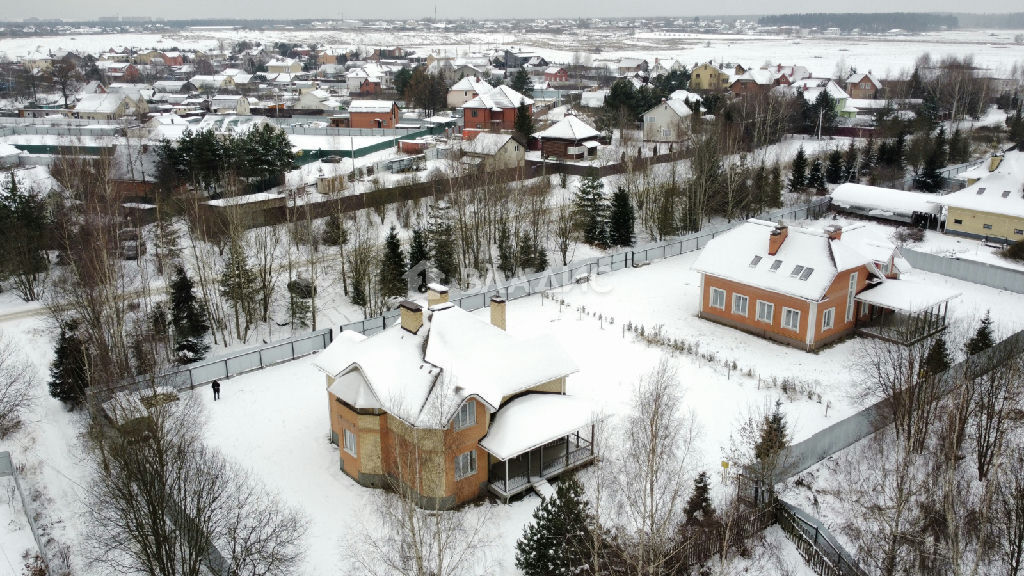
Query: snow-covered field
{"points": [[15, 536], [275, 421]]}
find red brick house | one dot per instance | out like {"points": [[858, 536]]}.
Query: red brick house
{"points": [[494, 109], [370, 87], [556, 74], [373, 114], [806, 288], [863, 86], [450, 407]]}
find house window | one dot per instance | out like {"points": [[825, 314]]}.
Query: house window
{"points": [[465, 464], [850, 296], [739, 304], [466, 416], [791, 319], [473, 113], [765, 311], [718, 298], [957, 221], [828, 319], [350, 442], [1018, 231], [986, 226]]}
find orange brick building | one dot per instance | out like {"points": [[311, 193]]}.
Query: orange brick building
{"points": [[445, 406], [373, 114], [494, 110], [807, 288]]}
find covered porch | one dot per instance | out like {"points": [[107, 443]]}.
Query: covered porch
{"points": [[535, 438], [904, 311]]}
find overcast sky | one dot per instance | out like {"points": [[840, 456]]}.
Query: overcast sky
{"points": [[391, 9]]}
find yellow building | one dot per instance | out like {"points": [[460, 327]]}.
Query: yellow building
{"points": [[992, 207], [708, 77], [444, 407]]}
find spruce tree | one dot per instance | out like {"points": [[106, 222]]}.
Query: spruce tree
{"points": [[850, 167], [621, 220], [869, 158], [834, 167], [555, 542], [816, 177], [524, 121], [983, 338], [772, 440], [698, 508], [798, 177], [238, 285], [591, 211], [937, 360], [419, 248], [521, 82], [775, 187], [68, 375], [959, 147], [760, 185], [393, 269], [443, 245], [188, 319], [506, 252], [930, 179]]}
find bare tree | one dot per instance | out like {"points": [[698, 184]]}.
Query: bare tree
{"points": [[66, 78], [565, 232], [1010, 512], [16, 382]]}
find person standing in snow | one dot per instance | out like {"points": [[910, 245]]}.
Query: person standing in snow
{"points": [[216, 390]]}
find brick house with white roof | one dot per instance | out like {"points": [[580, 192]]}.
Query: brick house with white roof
{"points": [[494, 109], [807, 288], [448, 406]]}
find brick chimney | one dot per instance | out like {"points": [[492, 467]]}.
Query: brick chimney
{"points": [[834, 231], [412, 316], [436, 294], [498, 311], [776, 238], [994, 162]]}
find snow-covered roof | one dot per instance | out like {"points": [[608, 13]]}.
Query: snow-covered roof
{"points": [[741, 255], [498, 97], [593, 98], [679, 107], [758, 76], [857, 77], [485, 143], [470, 84], [100, 103], [998, 192], [376, 106], [811, 87], [685, 95], [907, 295], [534, 420], [423, 378], [884, 200], [569, 128]]}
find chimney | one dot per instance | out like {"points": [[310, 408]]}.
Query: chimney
{"points": [[436, 294], [777, 237], [994, 162], [834, 231], [498, 311], [412, 316]]}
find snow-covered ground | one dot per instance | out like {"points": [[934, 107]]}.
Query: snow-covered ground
{"points": [[275, 421], [15, 536]]}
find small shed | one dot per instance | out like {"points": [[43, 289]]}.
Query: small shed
{"points": [[568, 138]]}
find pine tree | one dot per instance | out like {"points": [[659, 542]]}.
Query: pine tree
{"points": [[937, 360], [869, 157], [834, 167], [930, 179], [188, 319], [521, 82], [698, 508], [591, 211], [983, 339], [774, 435], [506, 252], [393, 269], [554, 543], [238, 284], [798, 177], [816, 177], [850, 167], [621, 220], [419, 247], [959, 147], [443, 242], [68, 375], [524, 121], [775, 187]]}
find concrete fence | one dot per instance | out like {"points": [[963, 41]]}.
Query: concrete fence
{"points": [[7, 468], [969, 270]]}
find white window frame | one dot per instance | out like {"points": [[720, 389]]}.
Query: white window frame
{"points": [[746, 305], [828, 319], [350, 442], [770, 307], [719, 293], [850, 295], [465, 465], [466, 416], [788, 312]]}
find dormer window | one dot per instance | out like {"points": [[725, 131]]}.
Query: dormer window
{"points": [[755, 261], [797, 270], [806, 273], [981, 191], [466, 416], [1006, 193], [776, 265]]}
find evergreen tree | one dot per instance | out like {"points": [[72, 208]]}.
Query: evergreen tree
{"points": [[621, 220], [937, 360], [506, 252], [816, 177], [834, 167], [959, 147], [23, 229], [775, 187], [238, 285], [798, 177], [419, 247], [188, 319], [698, 508], [1015, 128], [930, 179], [774, 435], [869, 157], [335, 233], [539, 254], [393, 269], [524, 121], [68, 375], [591, 211], [443, 242], [983, 339], [554, 543], [761, 192], [521, 83], [850, 167]]}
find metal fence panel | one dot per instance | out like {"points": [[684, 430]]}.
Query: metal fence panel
{"points": [[969, 270], [308, 345], [275, 354], [243, 362]]}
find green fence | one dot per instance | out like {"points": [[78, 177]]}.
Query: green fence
{"points": [[309, 156]]}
